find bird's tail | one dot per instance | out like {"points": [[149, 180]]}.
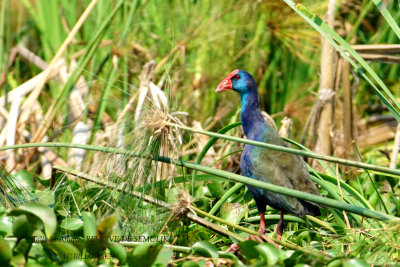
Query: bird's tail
{"points": [[310, 208]]}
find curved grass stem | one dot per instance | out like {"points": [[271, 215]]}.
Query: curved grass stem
{"points": [[291, 150], [230, 176]]}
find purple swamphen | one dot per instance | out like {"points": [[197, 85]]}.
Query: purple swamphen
{"points": [[271, 166]]}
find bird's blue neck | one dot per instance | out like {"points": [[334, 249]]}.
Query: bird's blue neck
{"points": [[252, 121]]}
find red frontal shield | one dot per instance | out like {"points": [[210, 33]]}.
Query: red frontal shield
{"points": [[226, 83]]}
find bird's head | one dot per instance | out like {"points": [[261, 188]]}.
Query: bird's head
{"points": [[238, 80]]}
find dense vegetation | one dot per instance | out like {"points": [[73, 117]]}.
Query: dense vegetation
{"points": [[129, 106]]}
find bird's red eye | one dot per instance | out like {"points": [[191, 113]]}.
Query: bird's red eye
{"points": [[237, 77]]}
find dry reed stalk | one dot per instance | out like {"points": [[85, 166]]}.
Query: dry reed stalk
{"points": [[80, 135], [377, 48], [52, 157], [376, 135], [48, 157], [3, 135], [126, 109], [79, 93], [201, 141], [76, 103], [379, 52], [4, 113], [323, 142], [381, 58], [11, 131], [347, 106], [29, 85], [286, 127], [16, 97], [144, 87], [46, 163], [395, 152], [41, 131], [155, 118], [31, 57]]}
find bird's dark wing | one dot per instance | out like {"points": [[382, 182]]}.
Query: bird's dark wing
{"points": [[279, 168]]}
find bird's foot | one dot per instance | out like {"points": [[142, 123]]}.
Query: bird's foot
{"points": [[278, 237], [261, 230], [233, 248]]}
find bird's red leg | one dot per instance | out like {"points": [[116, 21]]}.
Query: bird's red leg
{"points": [[261, 230], [279, 227]]}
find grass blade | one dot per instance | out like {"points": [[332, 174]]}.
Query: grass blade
{"points": [[385, 13], [332, 36]]}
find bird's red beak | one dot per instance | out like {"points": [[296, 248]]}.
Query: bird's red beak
{"points": [[226, 83]]}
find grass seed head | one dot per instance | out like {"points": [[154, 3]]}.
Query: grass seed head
{"points": [[184, 204]]}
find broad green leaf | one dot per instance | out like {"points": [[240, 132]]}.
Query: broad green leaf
{"points": [[191, 264], [5, 253], [46, 197], [105, 229], [233, 212], [18, 259], [118, 251], [44, 213], [269, 253], [248, 196], [229, 193], [75, 263], [335, 263], [144, 255], [5, 225], [89, 224], [107, 226], [164, 257], [248, 249], [23, 246], [21, 227], [24, 180], [205, 249], [65, 251], [72, 224], [355, 263]]}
